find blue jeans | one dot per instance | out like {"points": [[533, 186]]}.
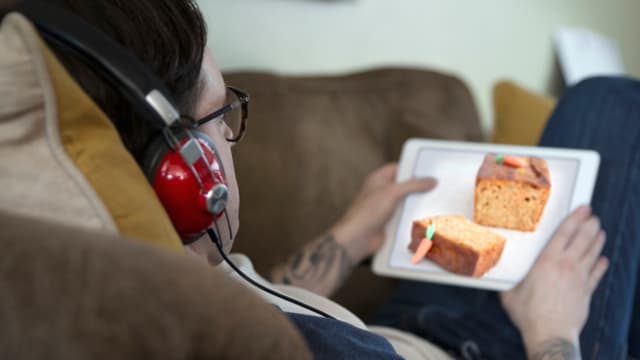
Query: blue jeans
{"points": [[335, 340], [602, 114]]}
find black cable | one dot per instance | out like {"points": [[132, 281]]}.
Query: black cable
{"points": [[216, 240]]}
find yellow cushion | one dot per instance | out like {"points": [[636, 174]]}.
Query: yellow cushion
{"points": [[520, 115], [94, 145]]}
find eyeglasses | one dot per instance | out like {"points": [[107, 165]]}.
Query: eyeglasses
{"points": [[234, 113]]}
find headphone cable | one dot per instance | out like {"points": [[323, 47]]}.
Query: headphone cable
{"points": [[216, 240]]}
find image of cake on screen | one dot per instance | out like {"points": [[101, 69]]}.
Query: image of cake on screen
{"points": [[511, 192]]}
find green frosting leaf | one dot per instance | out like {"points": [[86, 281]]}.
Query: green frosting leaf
{"points": [[431, 229]]}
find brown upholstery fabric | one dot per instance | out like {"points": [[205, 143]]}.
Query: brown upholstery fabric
{"points": [[69, 293], [312, 140]]}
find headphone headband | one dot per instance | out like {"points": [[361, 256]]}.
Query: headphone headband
{"points": [[146, 92]]}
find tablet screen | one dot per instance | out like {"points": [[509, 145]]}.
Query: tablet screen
{"points": [[456, 173]]}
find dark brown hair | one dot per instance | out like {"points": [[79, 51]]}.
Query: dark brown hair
{"points": [[169, 36]]}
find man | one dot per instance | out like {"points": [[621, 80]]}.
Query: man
{"points": [[549, 308]]}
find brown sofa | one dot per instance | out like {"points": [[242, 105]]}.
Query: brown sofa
{"points": [[312, 140]]}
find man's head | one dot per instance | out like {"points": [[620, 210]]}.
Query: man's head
{"points": [[168, 36]]}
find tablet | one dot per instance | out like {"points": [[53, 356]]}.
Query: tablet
{"points": [[455, 164]]}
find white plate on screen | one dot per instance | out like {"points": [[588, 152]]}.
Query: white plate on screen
{"points": [[455, 165]]}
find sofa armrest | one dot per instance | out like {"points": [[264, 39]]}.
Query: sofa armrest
{"points": [[68, 293]]}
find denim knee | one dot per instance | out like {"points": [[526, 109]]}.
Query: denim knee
{"points": [[589, 103], [606, 85]]}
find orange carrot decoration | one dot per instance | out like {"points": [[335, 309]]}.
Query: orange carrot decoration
{"points": [[425, 244], [422, 250], [514, 161]]}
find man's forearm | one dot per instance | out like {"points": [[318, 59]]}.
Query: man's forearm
{"points": [[553, 349], [321, 266]]}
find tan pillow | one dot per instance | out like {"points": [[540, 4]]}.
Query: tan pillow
{"points": [[61, 132], [37, 177], [520, 115], [63, 158]]}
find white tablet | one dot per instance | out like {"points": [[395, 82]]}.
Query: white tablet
{"points": [[455, 165]]}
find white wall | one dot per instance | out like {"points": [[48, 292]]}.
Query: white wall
{"points": [[479, 41]]}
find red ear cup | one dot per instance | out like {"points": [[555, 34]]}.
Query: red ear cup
{"points": [[189, 182]]}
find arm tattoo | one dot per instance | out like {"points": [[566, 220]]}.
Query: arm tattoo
{"points": [[321, 266], [556, 349]]}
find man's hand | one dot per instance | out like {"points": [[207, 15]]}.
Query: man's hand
{"points": [[361, 230], [550, 306], [322, 265]]}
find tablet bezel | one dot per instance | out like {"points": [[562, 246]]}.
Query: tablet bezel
{"points": [[588, 164]]}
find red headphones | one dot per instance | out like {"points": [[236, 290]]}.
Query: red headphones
{"points": [[182, 164], [188, 178]]}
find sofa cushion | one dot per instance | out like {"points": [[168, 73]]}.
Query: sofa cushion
{"points": [[520, 114], [37, 177], [312, 140], [63, 158], [73, 293]]}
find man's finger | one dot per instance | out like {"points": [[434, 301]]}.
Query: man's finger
{"points": [[591, 255], [565, 231], [414, 185], [596, 274], [584, 238], [383, 175]]}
